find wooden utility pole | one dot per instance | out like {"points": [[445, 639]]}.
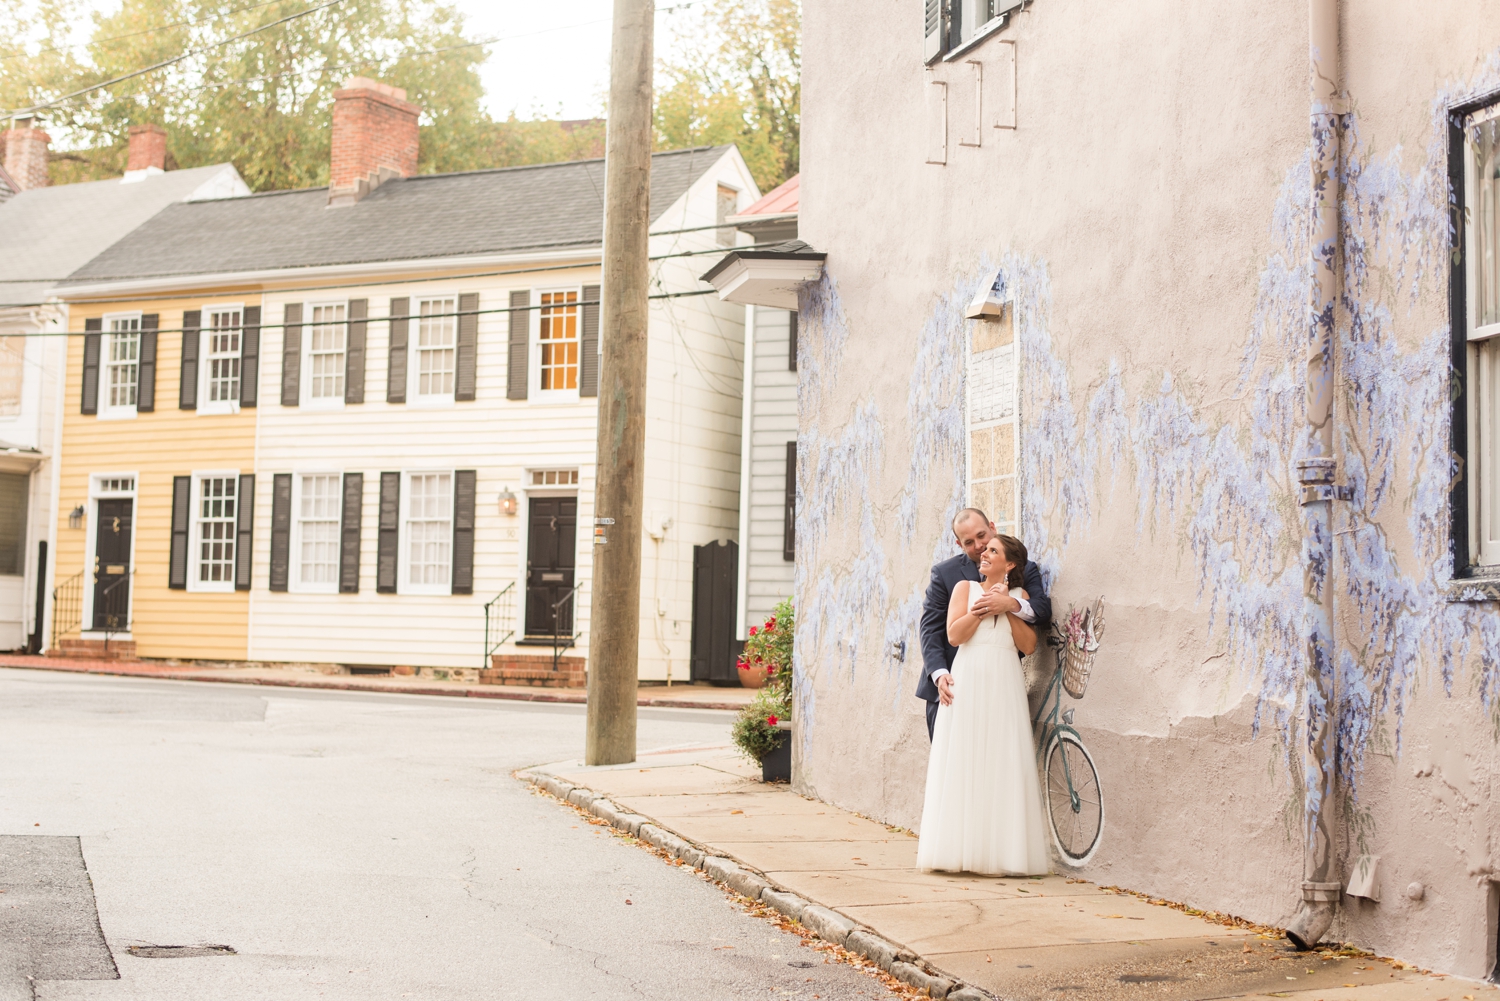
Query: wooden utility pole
{"points": [[615, 612]]}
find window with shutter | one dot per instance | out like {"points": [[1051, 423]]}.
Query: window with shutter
{"points": [[187, 379], [354, 363], [588, 343], [92, 338], [436, 350], [427, 533], [353, 504], [791, 350], [936, 37], [145, 394], [1476, 351], [517, 365], [316, 535], [789, 506], [557, 346], [465, 379], [182, 511], [281, 530], [244, 548], [291, 355], [387, 552], [327, 338], [215, 532], [395, 377], [463, 531], [120, 365], [220, 357], [250, 357]]}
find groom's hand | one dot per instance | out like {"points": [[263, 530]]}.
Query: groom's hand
{"points": [[995, 602], [945, 689]]}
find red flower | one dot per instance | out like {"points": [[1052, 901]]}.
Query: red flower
{"points": [[770, 668], [753, 630], [757, 658], [771, 624], [741, 664], [771, 721]]}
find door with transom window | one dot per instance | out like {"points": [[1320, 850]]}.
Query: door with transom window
{"points": [[112, 564], [552, 529]]}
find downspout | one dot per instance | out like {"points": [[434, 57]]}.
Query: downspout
{"points": [[1317, 474]]}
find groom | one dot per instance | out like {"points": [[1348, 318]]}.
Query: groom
{"points": [[973, 531]]}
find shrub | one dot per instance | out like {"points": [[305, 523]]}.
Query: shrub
{"points": [[770, 645]]}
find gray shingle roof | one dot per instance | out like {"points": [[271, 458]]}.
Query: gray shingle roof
{"points": [[48, 233], [513, 209]]}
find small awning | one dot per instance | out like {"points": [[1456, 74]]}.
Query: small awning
{"points": [[18, 458], [769, 276]]}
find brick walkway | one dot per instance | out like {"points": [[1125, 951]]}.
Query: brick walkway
{"points": [[676, 696]]}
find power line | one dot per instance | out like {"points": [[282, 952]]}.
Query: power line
{"points": [[143, 31], [166, 62]]}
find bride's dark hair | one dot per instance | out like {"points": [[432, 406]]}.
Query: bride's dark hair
{"points": [[1015, 551]]}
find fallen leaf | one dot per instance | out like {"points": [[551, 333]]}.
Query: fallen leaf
{"points": [[987, 959], [732, 812], [627, 901]]}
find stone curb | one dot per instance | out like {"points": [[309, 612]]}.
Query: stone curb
{"points": [[827, 924]]}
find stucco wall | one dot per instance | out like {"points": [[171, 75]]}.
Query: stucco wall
{"points": [[1150, 215]]}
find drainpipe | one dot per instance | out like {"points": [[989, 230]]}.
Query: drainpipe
{"points": [[1317, 473]]}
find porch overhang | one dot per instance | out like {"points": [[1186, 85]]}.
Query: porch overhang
{"points": [[768, 277]]}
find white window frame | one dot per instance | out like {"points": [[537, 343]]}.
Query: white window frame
{"points": [[103, 408], [195, 526], [1482, 376], [294, 570], [91, 540], [534, 355], [207, 407], [308, 399], [403, 561], [414, 397], [19, 339]]}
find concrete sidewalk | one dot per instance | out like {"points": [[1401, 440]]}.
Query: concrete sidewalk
{"points": [[1013, 938], [674, 696]]}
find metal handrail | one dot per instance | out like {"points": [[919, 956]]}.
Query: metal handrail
{"points": [[508, 608], [67, 607], [558, 647], [111, 622]]}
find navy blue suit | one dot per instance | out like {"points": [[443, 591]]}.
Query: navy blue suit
{"points": [[937, 652]]}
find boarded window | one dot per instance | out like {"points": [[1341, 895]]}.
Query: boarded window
{"points": [[12, 374], [14, 491]]}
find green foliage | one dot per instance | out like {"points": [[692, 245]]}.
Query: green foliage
{"points": [[263, 103], [738, 81], [769, 645]]}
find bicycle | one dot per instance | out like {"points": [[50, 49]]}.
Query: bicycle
{"points": [[1075, 800]]}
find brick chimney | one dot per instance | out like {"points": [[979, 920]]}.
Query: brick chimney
{"points": [[374, 139], [148, 149], [26, 154]]}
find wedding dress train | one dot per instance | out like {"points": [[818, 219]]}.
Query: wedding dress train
{"points": [[983, 808]]}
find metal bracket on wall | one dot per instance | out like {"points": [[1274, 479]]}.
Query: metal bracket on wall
{"points": [[978, 105], [1327, 492], [1012, 45], [938, 152]]}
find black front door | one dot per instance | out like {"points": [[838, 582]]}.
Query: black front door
{"points": [[112, 566], [550, 547]]}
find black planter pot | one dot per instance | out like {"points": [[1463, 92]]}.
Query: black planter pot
{"points": [[777, 766]]}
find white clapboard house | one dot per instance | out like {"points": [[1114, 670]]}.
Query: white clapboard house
{"points": [[428, 352]]}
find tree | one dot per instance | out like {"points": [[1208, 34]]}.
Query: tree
{"points": [[738, 80]]}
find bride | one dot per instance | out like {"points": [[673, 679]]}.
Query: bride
{"points": [[983, 808]]}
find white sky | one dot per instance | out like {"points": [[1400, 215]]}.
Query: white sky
{"points": [[553, 61]]}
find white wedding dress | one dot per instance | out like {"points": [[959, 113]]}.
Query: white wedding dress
{"points": [[983, 808]]}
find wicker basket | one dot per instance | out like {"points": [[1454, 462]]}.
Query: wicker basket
{"points": [[1077, 664]]}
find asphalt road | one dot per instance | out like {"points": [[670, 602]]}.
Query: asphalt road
{"points": [[344, 845]]}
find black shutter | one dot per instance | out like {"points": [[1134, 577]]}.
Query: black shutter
{"points": [[244, 531], [250, 356], [354, 354], [520, 338], [395, 378], [468, 346], [187, 384], [281, 530], [145, 379], [791, 350], [789, 505], [588, 343], [463, 531], [390, 514], [291, 355], [177, 562], [92, 338], [349, 524]]}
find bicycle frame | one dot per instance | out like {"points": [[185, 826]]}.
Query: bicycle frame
{"points": [[1050, 728]]}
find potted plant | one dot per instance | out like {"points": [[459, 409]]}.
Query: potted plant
{"points": [[763, 729]]}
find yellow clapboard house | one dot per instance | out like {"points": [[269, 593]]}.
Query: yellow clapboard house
{"points": [[156, 479]]}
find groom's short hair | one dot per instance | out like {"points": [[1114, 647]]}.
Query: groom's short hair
{"points": [[965, 514]]}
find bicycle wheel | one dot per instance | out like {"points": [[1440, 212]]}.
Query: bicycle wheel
{"points": [[1075, 803]]}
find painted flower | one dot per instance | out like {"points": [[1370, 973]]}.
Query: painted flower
{"points": [[772, 720]]}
